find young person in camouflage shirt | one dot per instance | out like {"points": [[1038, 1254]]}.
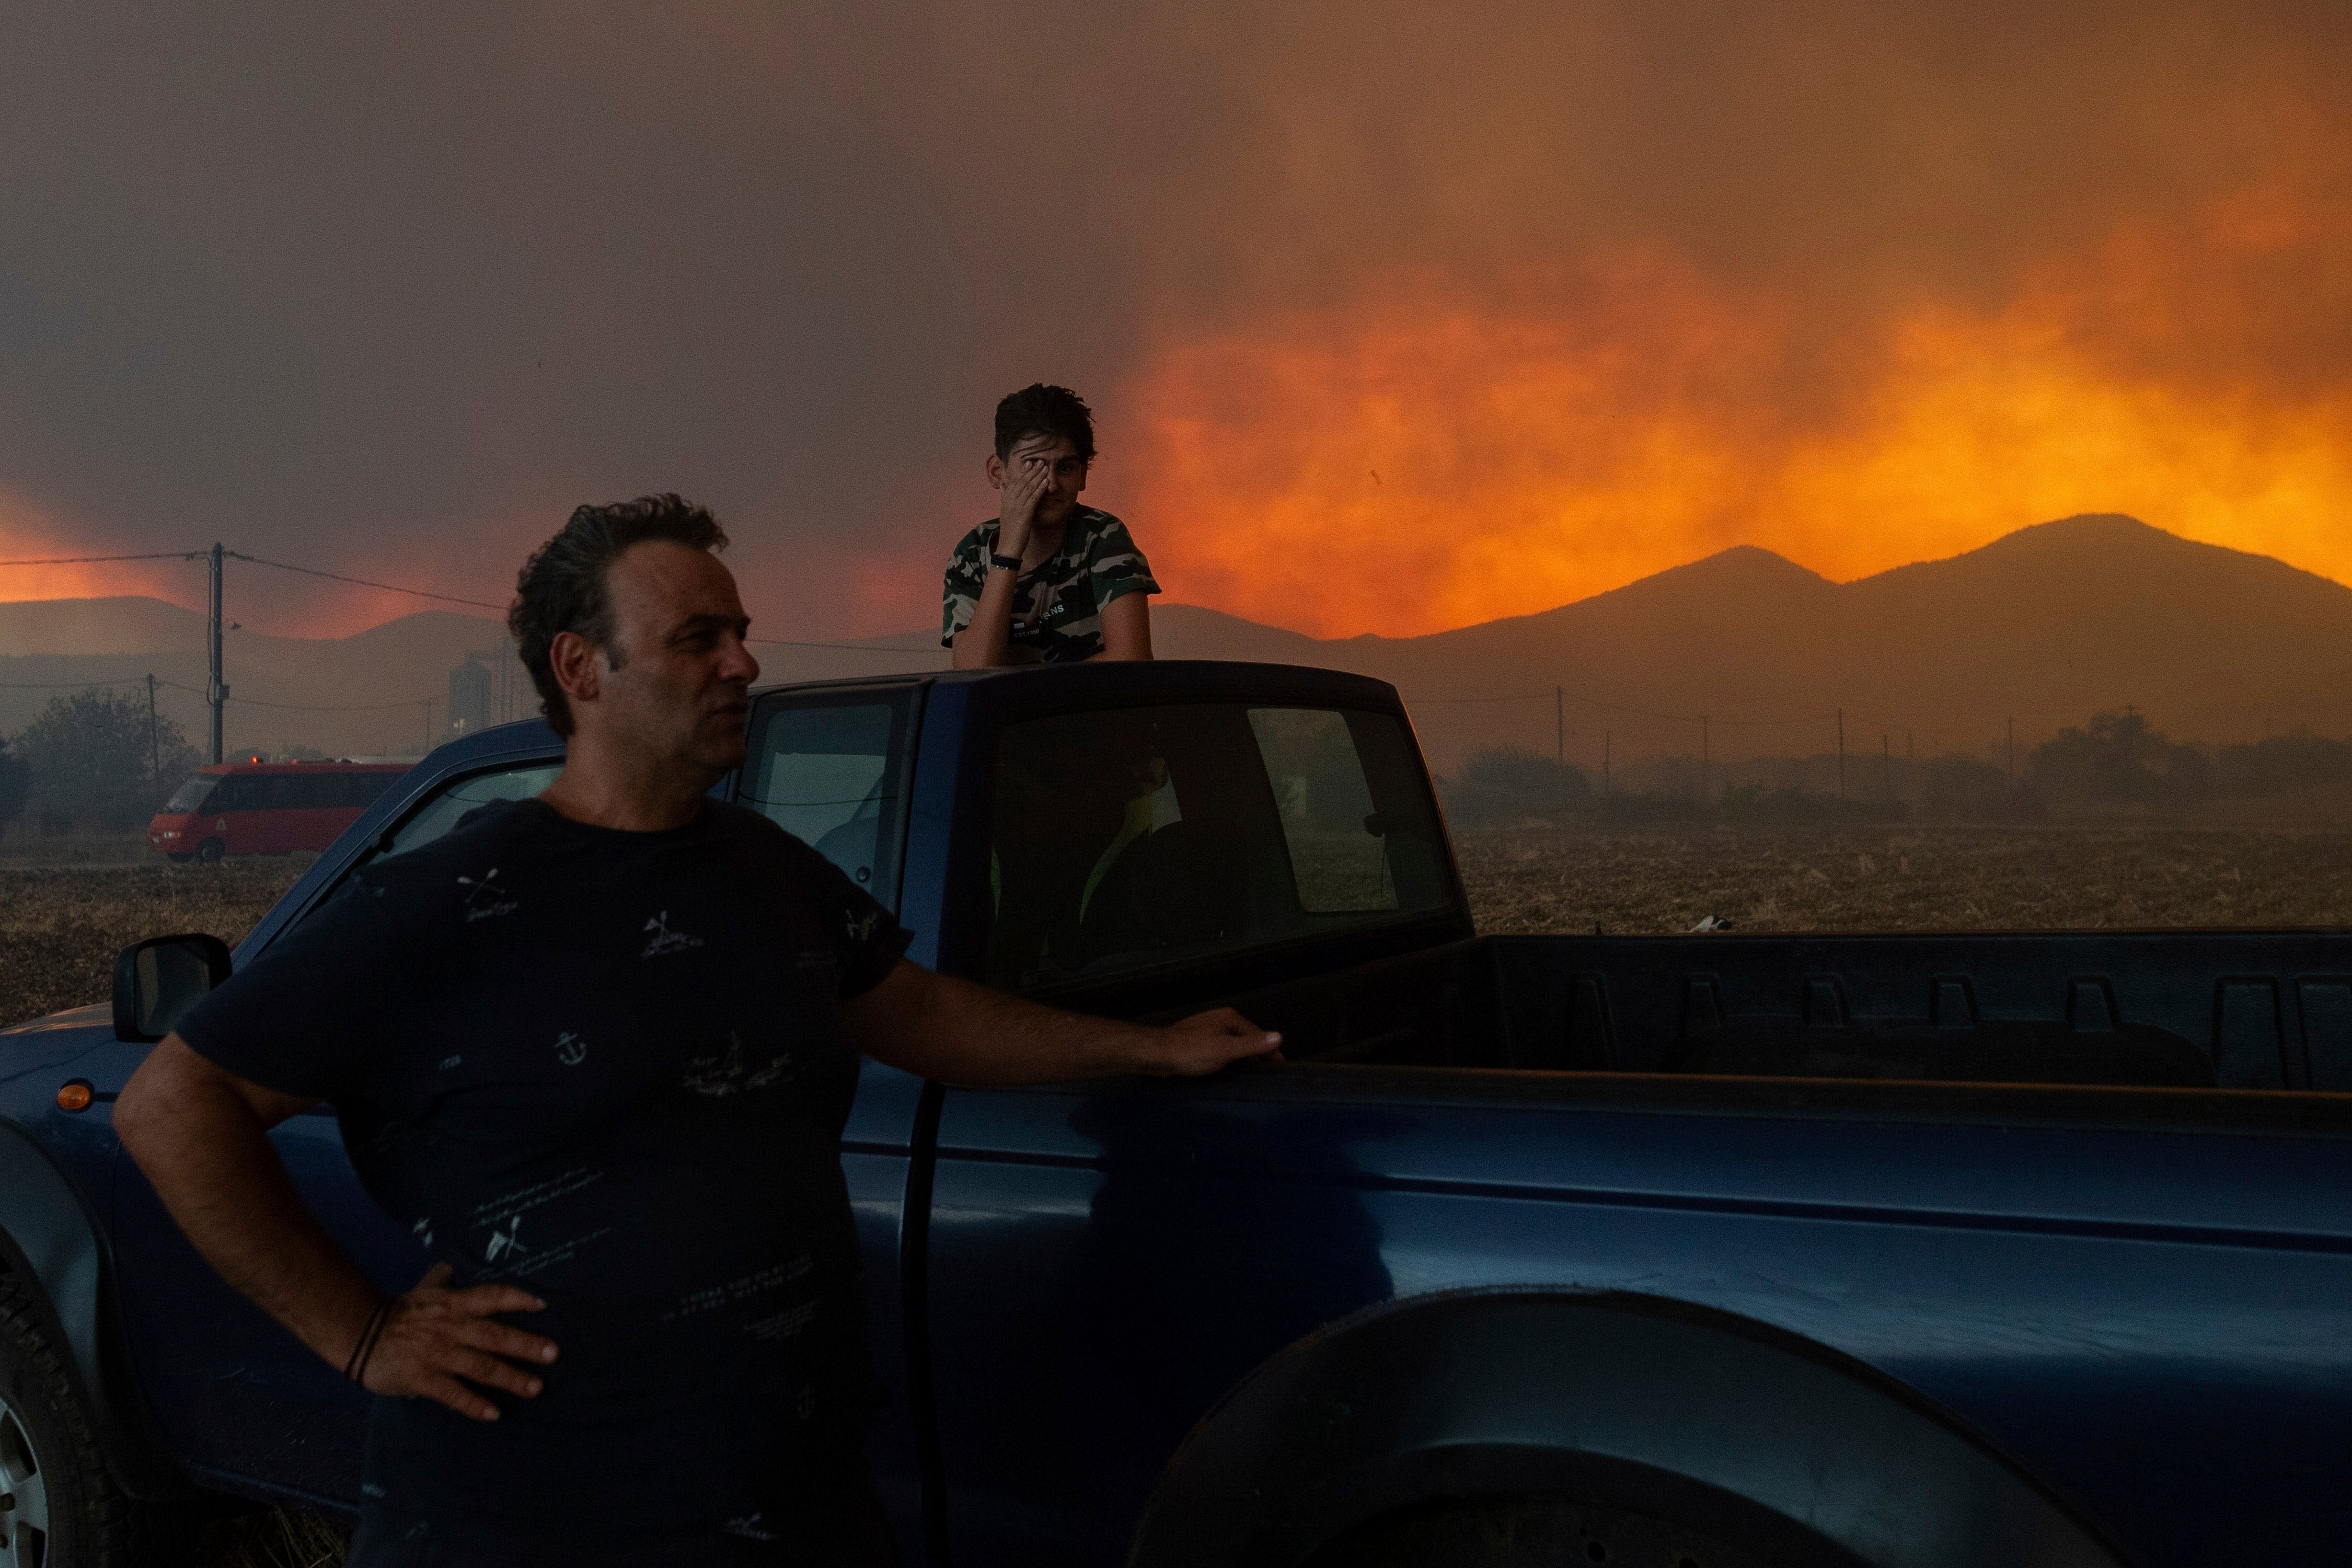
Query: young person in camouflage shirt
{"points": [[1047, 580]]}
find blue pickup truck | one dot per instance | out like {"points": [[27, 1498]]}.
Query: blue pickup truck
{"points": [[1721, 1249]]}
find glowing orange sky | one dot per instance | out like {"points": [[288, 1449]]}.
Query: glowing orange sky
{"points": [[1396, 317], [1410, 464]]}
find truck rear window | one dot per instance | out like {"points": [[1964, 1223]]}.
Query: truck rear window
{"points": [[1150, 835], [830, 770]]}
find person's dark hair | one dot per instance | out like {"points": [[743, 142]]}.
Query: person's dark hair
{"points": [[562, 587], [1038, 409]]}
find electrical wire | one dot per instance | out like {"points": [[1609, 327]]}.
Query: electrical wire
{"points": [[71, 685], [83, 559], [481, 605], [364, 583]]}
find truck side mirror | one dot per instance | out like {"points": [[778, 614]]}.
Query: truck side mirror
{"points": [[157, 981]]}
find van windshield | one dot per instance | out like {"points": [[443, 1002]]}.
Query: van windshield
{"points": [[190, 795]]}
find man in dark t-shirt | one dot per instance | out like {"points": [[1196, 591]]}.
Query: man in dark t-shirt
{"points": [[596, 1049]]}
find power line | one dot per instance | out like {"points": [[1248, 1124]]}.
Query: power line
{"points": [[1558, 693], [364, 583], [83, 559], [416, 593], [67, 685]]}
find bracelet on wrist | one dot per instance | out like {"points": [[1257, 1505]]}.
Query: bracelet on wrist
{"points": [[355, 1367], [997, 563]]}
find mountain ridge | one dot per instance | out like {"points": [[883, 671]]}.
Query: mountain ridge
{"points": [[2046, 623]]}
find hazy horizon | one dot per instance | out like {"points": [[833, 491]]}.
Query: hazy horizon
{"points": [[194, 603]]}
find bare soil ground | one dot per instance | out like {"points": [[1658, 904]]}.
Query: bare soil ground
{"points": [[1905, 878]]}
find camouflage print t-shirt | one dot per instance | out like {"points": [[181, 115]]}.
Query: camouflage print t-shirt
{"points": [[1057, 608]]}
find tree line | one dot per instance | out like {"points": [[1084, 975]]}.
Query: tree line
{"points": [[2114, 761], [92, 762]]}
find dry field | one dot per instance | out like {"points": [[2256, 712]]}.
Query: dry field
{"points": [[65, 909], [61, 925], [1904, 878]]}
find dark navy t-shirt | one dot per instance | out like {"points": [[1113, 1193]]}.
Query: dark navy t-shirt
{"points": [[609, 1067]]}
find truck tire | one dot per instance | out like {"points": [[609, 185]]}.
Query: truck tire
{"points": [[210, 850], [1528, 1533], [61, 1509]]}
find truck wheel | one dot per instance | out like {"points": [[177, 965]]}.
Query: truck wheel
{"points": [[211, 850], [1528, 1533], [58, 1508]]}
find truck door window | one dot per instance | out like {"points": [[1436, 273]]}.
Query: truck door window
{"points": [[442, 812], [1152, 836], [831, 771]]}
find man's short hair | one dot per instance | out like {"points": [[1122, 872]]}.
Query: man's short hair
{"points": [[1038, 409], [562, 588]]}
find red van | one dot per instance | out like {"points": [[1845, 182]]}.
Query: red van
{"points": [[266, 808]]}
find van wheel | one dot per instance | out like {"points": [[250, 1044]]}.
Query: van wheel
{"points": [[210, 850], [58, 1508], [1528, 1533]]}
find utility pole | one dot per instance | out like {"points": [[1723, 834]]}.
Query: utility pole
{"points": [[427, 703], [1605, 738], [1559, 726], [1887, 766], [216, 689], [2012, 751], [154, 742], [1841, 753]]}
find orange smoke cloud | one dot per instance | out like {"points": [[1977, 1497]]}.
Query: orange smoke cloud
{"points": [[28, 533], [1412, 463]]}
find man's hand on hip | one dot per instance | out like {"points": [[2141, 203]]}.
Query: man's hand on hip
{"points": [[435, 1340]]}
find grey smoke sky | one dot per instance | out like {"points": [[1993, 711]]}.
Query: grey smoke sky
{"points": [[389, 289]]}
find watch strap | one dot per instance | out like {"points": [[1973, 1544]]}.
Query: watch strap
{"points": [[1004, 562]]}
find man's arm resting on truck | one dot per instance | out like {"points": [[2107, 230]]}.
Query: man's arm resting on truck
{"points": [[202, 1135], [937, 1026]]}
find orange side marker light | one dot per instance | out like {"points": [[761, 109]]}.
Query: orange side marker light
{"points": [[73, 1094]]}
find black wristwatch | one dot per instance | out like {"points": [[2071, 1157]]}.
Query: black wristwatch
{"points": [[1004, 562]]}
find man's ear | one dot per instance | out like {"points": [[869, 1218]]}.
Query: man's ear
{"points": [[995, 472], [578, 666]]}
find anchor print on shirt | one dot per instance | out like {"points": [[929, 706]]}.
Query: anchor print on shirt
{"points": [[485, 897], [570, 1050], [724, 1072], [665, 939]]}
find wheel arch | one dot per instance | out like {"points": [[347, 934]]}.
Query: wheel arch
{"points": [[53, 1247], [1612, 1398]]}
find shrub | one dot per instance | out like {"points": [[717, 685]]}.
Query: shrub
{"points": [[1508, 783], [92, 762]]}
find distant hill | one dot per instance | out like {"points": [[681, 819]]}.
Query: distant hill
{"points": [[2047, 625]]}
